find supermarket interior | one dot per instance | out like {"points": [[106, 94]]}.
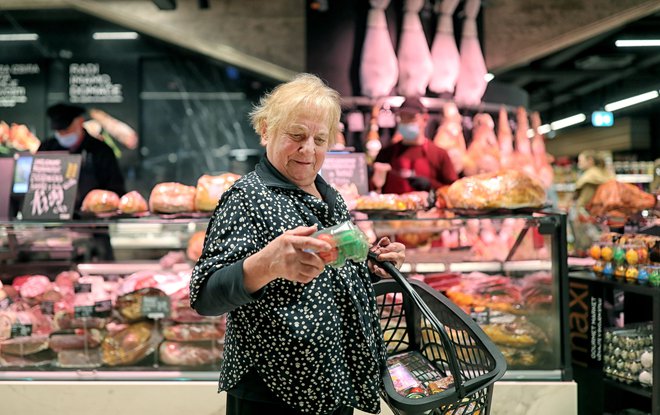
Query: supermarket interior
{"points": [[502, 157]]}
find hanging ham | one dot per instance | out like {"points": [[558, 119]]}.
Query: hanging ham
{"points": [[483, 154], [415, 64], [444, 52], [541, 161], [378, 67], [505, 138], [450, 135], [523, 160], [471, 83]]}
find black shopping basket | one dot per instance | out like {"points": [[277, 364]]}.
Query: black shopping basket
{"points": [[446, 352]]}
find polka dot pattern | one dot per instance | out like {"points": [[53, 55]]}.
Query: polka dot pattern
{"points": [[316, 346]]}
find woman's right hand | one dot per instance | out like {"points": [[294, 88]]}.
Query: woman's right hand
{"points": [[290, 256]]}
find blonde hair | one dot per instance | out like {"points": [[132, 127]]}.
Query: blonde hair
{"points": [[304, 94], [599, 158]]}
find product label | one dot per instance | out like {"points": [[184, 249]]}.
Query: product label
{"points": [[47, 308], [103, 308], [21, 330], [83, 311], [156, 307], [82, 288]]}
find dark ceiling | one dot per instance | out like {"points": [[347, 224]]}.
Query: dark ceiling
{"points": [[588, 75]]}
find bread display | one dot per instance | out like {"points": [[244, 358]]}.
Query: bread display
{"points": [[506, 189], [100, 201], [210, 188], [133, 202], [171, 197]]}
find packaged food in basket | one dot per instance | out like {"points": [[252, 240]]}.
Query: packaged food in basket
{"points": [[193, 332], [210, 188], [130, 345], [402, 379], [190, 354], [100, 201], [172, 197], [463, 407], [506, 189], [133, 202], [130, 305]]}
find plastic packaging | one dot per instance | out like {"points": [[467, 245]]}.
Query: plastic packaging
{"points": [[348, 242]]}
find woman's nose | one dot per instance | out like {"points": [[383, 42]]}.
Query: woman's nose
{"points": [[307, 145]]}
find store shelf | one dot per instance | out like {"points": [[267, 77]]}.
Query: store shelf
{"points": [[123, 375], [623, 286], [636, 389], [124, 268], [486, 266], [529, 375], [634, 178]]}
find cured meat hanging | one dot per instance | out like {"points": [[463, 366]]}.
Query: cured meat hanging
{"points": [[471, 83], [444, 52], [543, 168], [415, 64], [378, 64], [450, 135]]}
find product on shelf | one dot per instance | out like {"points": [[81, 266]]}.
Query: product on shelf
{"points": [[79, 358], [100, 201], [195, 245], [506, 189], [23, 346], [620, 200], [133, 202], [18, 137], [130, 305], [75, 339], [190, 354], [130, 345], [393, 202], [628, 354], [192, 332], [210, 188], [172, 197]]}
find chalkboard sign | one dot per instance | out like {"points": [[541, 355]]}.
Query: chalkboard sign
{"points": [[82, 288], [52, 187], [83, 311], [103, 308], [342, 169], [23, 94], [155, 306], [47, 308]]}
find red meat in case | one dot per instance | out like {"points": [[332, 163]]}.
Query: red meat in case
{"points": [[75, 339], [193, 332], [190, 354]]}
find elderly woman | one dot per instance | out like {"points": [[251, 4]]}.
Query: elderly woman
{"points": [[301, 337]]}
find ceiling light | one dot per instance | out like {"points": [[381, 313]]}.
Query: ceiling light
{"points": [[568, 121], [489, 77], [115, 35], [13, 37], [636, 43], [617, 105]]}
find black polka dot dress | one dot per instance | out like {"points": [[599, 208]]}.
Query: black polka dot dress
{"points": [[316, 346]]}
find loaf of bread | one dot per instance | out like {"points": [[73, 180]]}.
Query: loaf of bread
{"points": [[100, 201], [506, 189], [172, 197], [133, 202], [210, 188]]}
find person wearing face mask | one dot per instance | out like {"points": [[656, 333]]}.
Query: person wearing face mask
{"points": [[99, 169], [412, 162]]}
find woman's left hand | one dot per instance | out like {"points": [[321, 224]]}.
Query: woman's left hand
{"points": [[393, 252]]}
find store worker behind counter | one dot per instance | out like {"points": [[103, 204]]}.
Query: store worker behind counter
{"points": [[301, 337], [100, 169], [412, 162]]}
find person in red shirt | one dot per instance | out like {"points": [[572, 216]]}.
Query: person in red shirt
{"points": [[412, 162]]}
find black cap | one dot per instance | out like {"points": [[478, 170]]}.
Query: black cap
{"points": [[412, 106], [62, 115]]}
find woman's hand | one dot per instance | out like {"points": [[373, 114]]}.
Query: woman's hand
{"points": [[288, 256], [393, 252]]}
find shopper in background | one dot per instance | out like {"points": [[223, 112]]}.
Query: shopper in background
{"points": [[594, 173], [413, 162], [301, 337], [99, 169]]}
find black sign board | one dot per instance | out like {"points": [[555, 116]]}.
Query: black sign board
{"points": [[82, 288], [52, 188], [103, 308], [83, 311], [155, 306], [47, 307], [21, 330], [342, 169], [23, 94]]}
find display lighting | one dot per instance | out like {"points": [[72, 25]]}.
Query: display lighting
{"points": [[115, 35], [636, 43], [17, 37], [568, 121], [489, 77], [637, 99]]}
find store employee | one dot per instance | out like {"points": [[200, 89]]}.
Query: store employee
{"points": [[413, 162], [99, 169]]}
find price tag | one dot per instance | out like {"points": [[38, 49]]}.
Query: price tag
{"points": [[21, 330], [480, 314], [83, 311], [82, 288], [103, 308], [47, 307], [156, 306]]}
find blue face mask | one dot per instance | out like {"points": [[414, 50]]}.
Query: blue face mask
{"points": [[409, 132], [66, 140]]}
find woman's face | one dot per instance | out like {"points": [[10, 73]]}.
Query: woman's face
{"points": [[584, 162], [298, 150]]}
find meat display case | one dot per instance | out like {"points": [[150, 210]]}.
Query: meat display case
{"points": [[508, 269]]}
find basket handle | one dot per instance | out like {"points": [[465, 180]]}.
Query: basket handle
{"points": [[408, 289]]}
